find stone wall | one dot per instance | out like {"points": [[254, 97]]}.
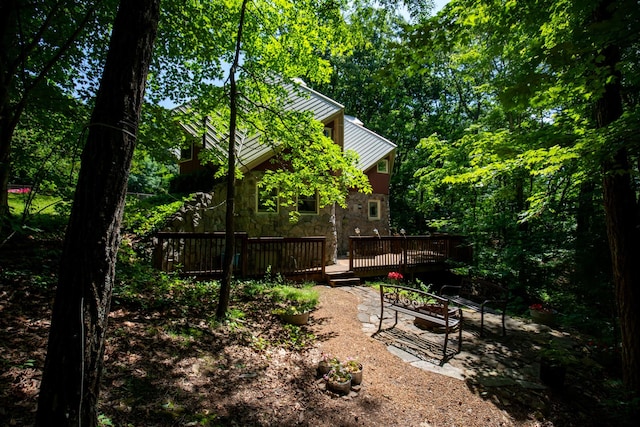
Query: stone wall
{"points": [[206, 212], [357, 215]]}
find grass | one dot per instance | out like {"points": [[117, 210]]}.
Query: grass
{"points": [[41, 204], [47, 214]]}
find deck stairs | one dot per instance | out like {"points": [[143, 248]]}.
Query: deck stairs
{"points": [[342, 278]]}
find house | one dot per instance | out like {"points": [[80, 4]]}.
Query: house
{"points": [[365, 213]]}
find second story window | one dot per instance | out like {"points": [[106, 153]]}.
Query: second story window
{"points": [[186, 153], [383, 166]]}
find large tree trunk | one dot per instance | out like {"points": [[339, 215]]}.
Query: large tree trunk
{"points": [[621, 210], [624, 240], [72, 371]]}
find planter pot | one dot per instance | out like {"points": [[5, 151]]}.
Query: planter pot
{"points": [[426, 325], [356, 377], [340, 388], [552, 373], [295, 319], [542, 317], [323, 368]]}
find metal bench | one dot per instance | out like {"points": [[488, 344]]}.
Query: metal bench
{"points": [[422, 305], [481, 296]]}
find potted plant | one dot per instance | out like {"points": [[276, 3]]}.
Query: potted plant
{"points": [[395, 277], [354, 367], [293, 304], [338, 380], [326, 363], [542, 314], [554, 361]]}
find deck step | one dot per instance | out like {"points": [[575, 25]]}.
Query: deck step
{"points": [[343, 278], [340, 274], [350, 281]]}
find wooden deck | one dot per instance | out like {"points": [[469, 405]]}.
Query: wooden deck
{"points": [[202, 254], [378, 255]]}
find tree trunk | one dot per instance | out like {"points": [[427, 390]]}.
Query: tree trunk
{"points": [[229, 245], [621, 210], [624, 241], [8, 42], [229, 241], [72, 371]]}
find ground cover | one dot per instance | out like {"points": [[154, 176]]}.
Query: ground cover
{"points": [[168, 363]]}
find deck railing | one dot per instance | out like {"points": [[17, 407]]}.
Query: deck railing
{"points": [[377, 255], [203, 254]]}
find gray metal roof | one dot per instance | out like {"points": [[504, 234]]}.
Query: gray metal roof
{"points": [[251, 152], [370, 146], [303, 98]]}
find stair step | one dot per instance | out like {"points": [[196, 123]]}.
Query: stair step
{"points": [[345, 281], [340, 275]]}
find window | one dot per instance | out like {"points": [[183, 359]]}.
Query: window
{"points": [[186, 153], [374, 209], [308, 204], [383, 166], [266, 202]]}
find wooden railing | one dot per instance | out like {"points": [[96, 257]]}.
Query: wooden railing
{"points": [[378, 255], [202, 254]]}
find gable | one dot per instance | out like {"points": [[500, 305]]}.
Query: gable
{"points": [[348, 132], [370, 146]]}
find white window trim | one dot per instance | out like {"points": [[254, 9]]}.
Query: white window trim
{"points": [[191, 149], [317, 211], [377, 203], [258, 211], [385, 162]]}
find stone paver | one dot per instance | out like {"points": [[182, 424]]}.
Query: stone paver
{"points": [[491, 361]]}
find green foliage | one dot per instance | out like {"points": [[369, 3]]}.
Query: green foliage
{"points": [[148, 175], [557, 354], [104, 421], [279, 41], [312, 167], [622, 405], [294, 300], [145, 216], [298, 338], [520, 175], [140, 284]]}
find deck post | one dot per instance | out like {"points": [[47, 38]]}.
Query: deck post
{"points": [[351, 254]]}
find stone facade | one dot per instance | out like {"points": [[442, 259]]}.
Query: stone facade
{"points": [[206, 212], [356, 215]]}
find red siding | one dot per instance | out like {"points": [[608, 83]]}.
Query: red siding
{"points": [[193, 165], [379, 181]]}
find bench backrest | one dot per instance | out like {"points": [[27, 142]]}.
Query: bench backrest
{"points": [[482, 290], [411, 298]]}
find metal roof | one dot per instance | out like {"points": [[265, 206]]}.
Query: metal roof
{"points": [[370, 146], [251, 152], [303, 98]]}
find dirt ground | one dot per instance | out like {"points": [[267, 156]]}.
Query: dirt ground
{"points": [[170, 367]]}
